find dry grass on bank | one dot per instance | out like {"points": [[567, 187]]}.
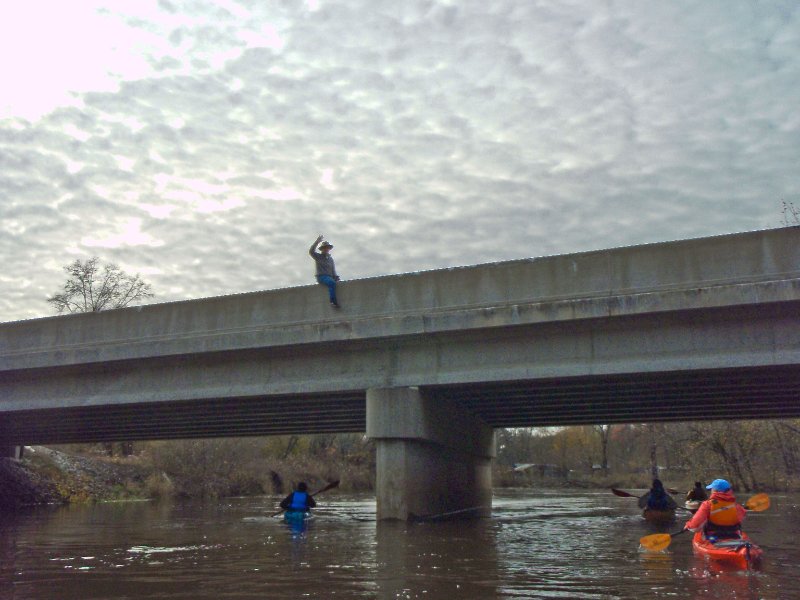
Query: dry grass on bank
{"points": [[219, 468]]}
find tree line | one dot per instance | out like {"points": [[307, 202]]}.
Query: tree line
{"points": [[754, 454]]}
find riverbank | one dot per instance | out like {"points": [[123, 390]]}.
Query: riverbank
{"points": [[50, 476], [47, 476], [22, 486]]}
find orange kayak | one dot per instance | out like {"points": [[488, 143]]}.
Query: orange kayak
{"points": [[741, 553]]}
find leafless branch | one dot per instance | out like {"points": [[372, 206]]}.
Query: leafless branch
{"points": [[90, 289]]}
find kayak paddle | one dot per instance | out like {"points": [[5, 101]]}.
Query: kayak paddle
{"points": [[625, 494], [757, 503], [657, 542], [330, 486], [441, 516]]}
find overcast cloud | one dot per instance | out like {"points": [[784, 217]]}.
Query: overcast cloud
{"points": [[206, 144]]}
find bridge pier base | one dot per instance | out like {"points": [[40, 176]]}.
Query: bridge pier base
{"points": [[433, 458], [9, 451]]}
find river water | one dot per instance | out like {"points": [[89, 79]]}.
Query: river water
{"points": [[537, 544]]}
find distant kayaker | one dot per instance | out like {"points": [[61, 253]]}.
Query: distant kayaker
{"points": [[657, 498], [697, 493], [299, 500], [720, 516]]}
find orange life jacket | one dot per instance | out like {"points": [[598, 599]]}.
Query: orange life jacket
{"points": [[723, 512]]}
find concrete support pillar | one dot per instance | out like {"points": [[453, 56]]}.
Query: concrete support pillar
{"points": [[9, 451], [432, 456]]}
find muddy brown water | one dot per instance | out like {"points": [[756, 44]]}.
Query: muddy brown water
{"points": [[537, 544]]}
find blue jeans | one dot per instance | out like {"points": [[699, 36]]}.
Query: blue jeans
{"points": [[331, 283]]}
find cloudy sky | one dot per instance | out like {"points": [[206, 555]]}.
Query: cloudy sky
{"points": [[205, 145]]}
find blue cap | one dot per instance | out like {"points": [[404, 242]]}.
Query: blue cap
{"points": [[719, 485]]}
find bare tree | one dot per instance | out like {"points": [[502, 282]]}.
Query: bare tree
{"points": [[653, 433], [92, 288], [791, 214], [604, 433]]}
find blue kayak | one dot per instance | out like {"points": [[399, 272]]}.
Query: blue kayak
{"points": [[297, 516]]}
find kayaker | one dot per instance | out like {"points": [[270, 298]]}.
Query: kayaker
{"points": [[657, 498], [299, 500], [720, 516], [697, 493]]}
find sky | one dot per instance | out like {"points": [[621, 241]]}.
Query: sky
{"points": [[205, 145]]}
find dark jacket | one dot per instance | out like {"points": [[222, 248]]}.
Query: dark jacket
{"points": [[324, 261], [697, 493], [657, 498]]}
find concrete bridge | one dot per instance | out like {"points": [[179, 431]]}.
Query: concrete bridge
{"points": [[429, 363]]}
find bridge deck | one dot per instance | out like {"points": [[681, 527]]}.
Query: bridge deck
{"points": [[702, 328]]}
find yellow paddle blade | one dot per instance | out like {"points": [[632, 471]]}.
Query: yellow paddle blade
{"points": [[655, 542], [757, 503]]}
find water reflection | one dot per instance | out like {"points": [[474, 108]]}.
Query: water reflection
{"points": [[657, 567], [9, 528], [436, 560], [718, 581], [298, 523]]}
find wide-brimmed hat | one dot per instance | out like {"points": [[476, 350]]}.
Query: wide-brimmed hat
{"points": [[325, 245], [719, 485]]}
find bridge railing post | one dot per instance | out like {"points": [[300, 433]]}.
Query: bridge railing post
{"points": [[433, 458]]}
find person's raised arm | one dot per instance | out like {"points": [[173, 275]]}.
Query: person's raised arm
{"points": [[313, 250]]}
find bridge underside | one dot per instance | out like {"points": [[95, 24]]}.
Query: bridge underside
{"points": [[740, 393], [340, 412], [736, 393]]}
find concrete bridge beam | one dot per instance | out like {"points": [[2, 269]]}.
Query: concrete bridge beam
{"points": [[432, 456]]}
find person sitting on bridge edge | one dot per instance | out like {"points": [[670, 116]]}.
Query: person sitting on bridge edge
{"points": [[720, 516], [326, 269], [299, 500], [657, 498]]}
